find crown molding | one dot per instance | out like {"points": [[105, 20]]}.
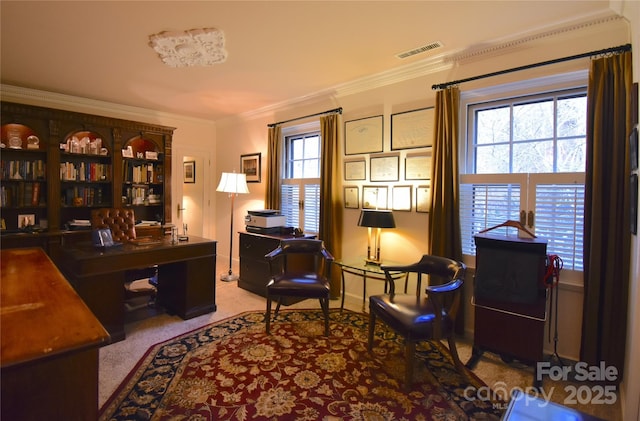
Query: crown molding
{"points": [[40, 98]]}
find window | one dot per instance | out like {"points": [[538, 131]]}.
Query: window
{"points": [[301, 181], [525, 160]]}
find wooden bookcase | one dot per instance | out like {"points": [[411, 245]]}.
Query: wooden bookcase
{"points": [[75, 162]]}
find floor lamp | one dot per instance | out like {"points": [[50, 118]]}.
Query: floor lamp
{"points": [[233, 184]]}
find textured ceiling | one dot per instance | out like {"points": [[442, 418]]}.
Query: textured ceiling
{"points": [[277, 50]]}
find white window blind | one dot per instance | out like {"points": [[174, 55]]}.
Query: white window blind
{"points": [[290, 204], [311, 206]]}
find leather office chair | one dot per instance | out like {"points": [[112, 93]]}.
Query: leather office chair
{"points": [[418, 317], [122, 223], [287, 281]]}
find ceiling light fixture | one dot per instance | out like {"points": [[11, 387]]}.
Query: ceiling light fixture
{"points": [[196, 47]]}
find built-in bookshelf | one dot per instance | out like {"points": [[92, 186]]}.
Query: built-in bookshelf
{"points": [[58, 165]]}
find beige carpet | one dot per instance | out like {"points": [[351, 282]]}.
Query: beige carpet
{"points": [[118, 359]]}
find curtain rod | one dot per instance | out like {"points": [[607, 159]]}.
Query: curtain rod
{"points": [[619, 49], [335, 110]]}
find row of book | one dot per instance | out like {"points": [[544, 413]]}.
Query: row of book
{"points": [[23, 169], [82, 196], [23, 194], [84, 171], [142, 173]]}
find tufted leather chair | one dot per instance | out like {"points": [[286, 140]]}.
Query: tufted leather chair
{"points": [[308, 283], [122, 223], [418, 317]]}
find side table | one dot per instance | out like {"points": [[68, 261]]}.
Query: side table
{"points": [[367, 271]]}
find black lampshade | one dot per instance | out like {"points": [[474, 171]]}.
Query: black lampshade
{"points": [[376, 219]]}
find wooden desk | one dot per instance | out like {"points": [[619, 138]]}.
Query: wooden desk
{"points": [[49, 342], [186, 277]]}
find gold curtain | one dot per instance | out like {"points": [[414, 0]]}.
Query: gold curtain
{"points": [[607, 220], [330, 230], [272, 192], [444, 215]]}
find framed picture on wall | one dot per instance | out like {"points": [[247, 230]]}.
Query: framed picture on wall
{"points": [[423, 198], [351, 197], [412, 129], [355, 169], [189, 171], [384, 167], [401, 198], [363, 136], [250, 165], [374, 197], [417, 166]]}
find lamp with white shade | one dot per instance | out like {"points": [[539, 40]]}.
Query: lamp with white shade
{"points": [[233, 184]]}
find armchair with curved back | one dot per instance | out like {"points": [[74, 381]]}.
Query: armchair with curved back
{"points": [[289, 281], [122, 223], [419, 317]]}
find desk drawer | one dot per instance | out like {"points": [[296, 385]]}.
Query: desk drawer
{"points": [[255, 247]]}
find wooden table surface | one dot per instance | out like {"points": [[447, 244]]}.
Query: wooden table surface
{"points": [[40, 313]]}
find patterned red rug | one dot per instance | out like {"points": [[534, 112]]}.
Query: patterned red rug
{"points": [[231, 370]]}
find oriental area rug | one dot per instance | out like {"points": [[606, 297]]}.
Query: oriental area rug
{"points": [[233, 370]]}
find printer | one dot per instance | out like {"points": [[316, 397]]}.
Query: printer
{"points": [[264, 221]]}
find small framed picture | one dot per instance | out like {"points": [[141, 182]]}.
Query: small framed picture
{"points": [[250, 165], [351, 197], [423, 198], [355, 169], [417, 166], [412, 129], [384, 167], [26, 220], [189, 170], [374, 197], [127, 153], [401, 198]]}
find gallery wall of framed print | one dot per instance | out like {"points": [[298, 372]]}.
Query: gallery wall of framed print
{"points": [[250, 165], [189, 170], [355, 169], [374, 197], [363, 135], [412, 129], [401, 198], [351, 197], [384, 167], [417, 166], [423, 198]]}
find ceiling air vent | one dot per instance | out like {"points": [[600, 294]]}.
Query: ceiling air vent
{"points": [[419, 50]]}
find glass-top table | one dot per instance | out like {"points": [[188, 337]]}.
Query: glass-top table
{"points": [[367, 271]]}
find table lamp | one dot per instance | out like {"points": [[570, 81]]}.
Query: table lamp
{"points": [[233, 184], [377, 219]]}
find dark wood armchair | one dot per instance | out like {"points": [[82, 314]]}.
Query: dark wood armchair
{"points": [[122, 223], [418, 317], [287, 281]]}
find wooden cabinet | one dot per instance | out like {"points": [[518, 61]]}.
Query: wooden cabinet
{"points": [[254, 268], [58, 165]]}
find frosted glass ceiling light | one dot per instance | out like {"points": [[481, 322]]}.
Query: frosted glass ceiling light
{"points": [[196, 47]]}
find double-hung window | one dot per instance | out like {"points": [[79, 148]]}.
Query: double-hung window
{"points": [[524, 160], [300, 191]]}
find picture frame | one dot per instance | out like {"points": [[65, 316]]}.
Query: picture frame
{"points": [[417, 166], [251, 166], [363, 135], [26, 220], [401, 198], [633, 186], [374, 197], [384, 167], [355, 169], [189, 171], [128, 152], [351, 197], [412, 129], [633, 148], [423, 198]]}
